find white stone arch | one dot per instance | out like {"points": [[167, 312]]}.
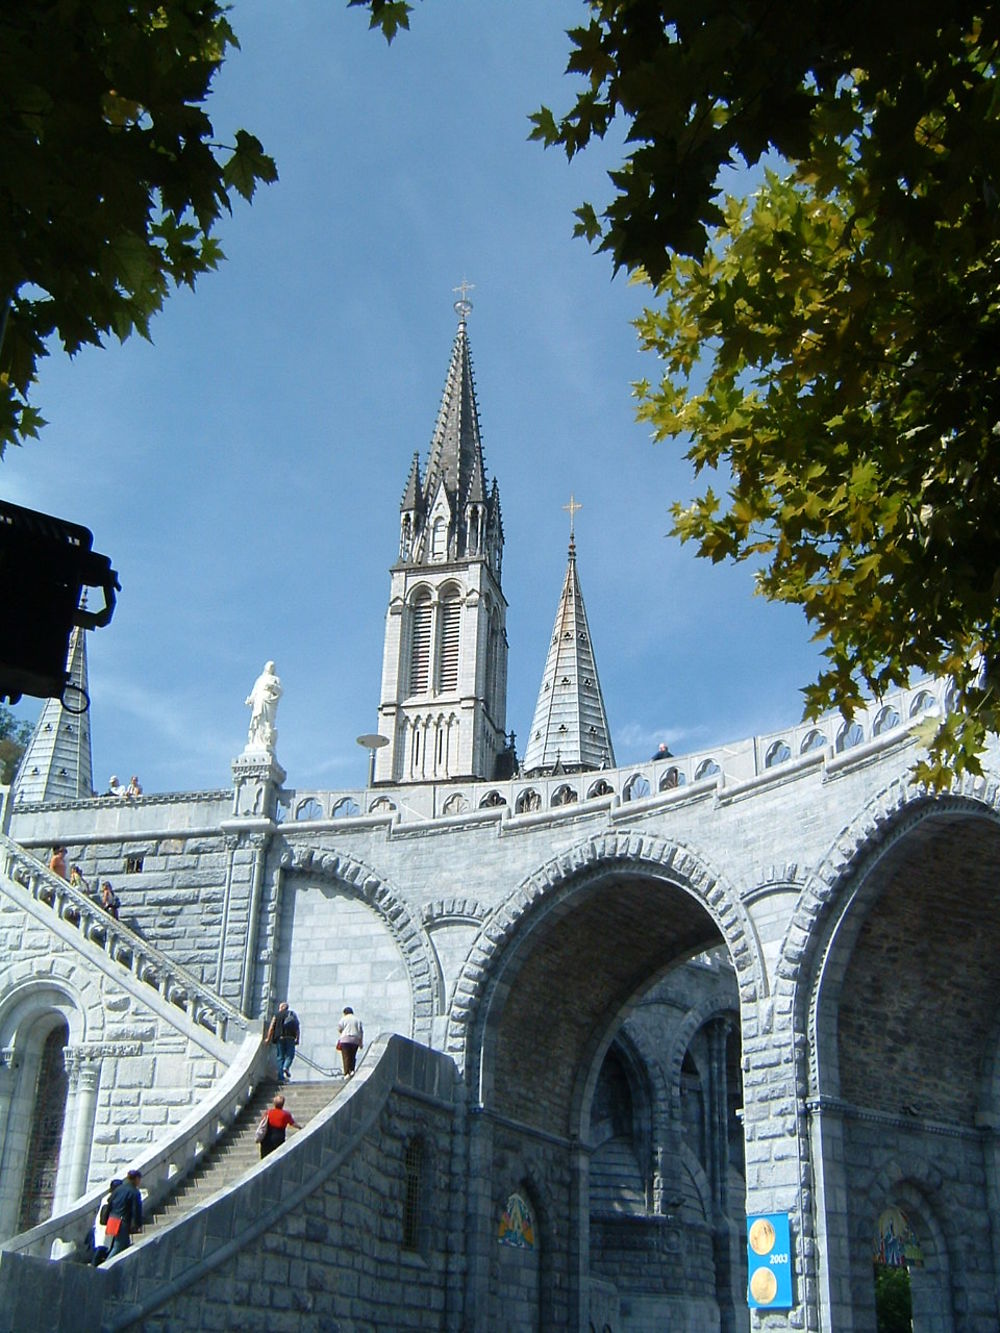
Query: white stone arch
{"points": [[549, 888], [409, 935], [54, 985], [834, 902], [39, 1001]]}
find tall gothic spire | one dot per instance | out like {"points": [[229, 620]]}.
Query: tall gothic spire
{"points": [[570, 730], [450, 514], [443, 702], [58, 763]]}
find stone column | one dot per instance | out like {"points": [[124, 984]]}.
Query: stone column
{"points": [[12, 1141], [480, 1222], [259, 842], [83, 1067], [230, 842], [257, 777], [8, 1078], [778, 1172], [716, 1109], [579, 1236]]}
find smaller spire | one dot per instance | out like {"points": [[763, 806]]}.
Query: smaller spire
{"points": [[412, 496], [57, 764], [569, 732]]}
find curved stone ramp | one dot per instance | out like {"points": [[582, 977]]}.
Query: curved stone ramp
{"points": [[159, 1285], [313, 1203]]}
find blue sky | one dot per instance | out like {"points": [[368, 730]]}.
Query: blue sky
{"points": [[244, 471]]}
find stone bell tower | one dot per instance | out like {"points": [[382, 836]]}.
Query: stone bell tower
{"points": [[444, 667]]}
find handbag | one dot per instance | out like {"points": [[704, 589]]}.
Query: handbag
{"points": [[114, 1225], [261, 1129]]}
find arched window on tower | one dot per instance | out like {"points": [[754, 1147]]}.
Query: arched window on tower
{"points": [[421, 613], [493, 663], [439, 539], [449, 633]]}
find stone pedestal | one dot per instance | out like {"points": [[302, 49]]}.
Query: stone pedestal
{"points": [[257, 776]]}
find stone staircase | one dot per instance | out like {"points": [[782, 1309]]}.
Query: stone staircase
{"points": [[236, 1152]]}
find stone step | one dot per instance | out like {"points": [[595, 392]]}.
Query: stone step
{"points": [[236, 1152]]}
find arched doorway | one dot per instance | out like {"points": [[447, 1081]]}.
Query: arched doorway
{"points": [[38, 1021], [667, 1159], [904, 1024], [559, 1108], [41, 1168]]}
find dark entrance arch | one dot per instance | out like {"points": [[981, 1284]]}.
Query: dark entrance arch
{"points": [[563, 978], [45, 1136], [904, 1023]]}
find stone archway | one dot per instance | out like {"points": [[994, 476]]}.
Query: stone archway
{"points": [[40, 1017], [553, 975], [896, 997], [352, 897], [652, 866]]}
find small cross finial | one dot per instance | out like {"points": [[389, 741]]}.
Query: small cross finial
{"points": [[572, 507], [463, 305]]}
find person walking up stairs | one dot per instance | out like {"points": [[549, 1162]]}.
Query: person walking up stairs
{"points": [[237, 1151]]}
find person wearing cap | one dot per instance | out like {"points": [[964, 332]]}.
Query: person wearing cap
{"points": [[124, 1214]]}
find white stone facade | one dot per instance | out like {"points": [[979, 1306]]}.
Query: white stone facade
{"points": [[599, 1070]]}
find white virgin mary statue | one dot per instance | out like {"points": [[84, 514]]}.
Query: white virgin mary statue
{"points": [[263, 704]]}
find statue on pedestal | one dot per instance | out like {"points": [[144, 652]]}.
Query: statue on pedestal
{"points": [[263, 704]]}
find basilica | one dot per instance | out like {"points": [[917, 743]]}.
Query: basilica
{"points": [[707, 1044]]}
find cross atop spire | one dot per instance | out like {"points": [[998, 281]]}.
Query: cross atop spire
{"points": [[573, 508], [463, 305]]}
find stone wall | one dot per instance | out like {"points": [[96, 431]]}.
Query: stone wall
{"points": [[315, 1239], [131, 1073], [183, 869]]}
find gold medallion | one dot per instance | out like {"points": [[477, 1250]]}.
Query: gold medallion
{"points": [[763, 1286], [762, 1236]]}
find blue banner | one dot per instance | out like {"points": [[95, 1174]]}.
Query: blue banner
{"points": [[769, 1259]]}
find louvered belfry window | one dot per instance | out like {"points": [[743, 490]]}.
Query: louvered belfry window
{"points": [[420, 644], [451, 613]]}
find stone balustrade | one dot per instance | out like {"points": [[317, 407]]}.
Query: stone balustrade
{"points": [[829, 740], [174, 984]]}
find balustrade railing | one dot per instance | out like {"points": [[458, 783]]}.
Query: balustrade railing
{"points": [[149, 965]]}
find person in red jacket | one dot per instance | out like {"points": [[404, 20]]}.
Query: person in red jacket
{"points": [[276, 1121]]}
